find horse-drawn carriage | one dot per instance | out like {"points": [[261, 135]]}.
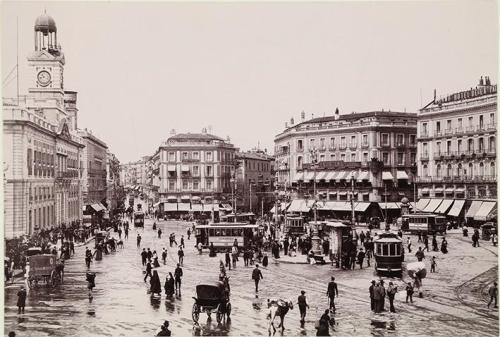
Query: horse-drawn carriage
{"points": [[44, 268], [101, 237], [211, 298]]}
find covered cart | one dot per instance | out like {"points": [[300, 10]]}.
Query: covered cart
{"points": [[211, 298], [43, 268]]}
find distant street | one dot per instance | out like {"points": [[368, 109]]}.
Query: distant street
{"points": [[122, 307]]}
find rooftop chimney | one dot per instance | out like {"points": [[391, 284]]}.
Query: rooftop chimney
{"points": [[204, 130], [302, 115], [172, 132], [291, 121], [481, 81], [434, 95], [337, 114], [286, 125]]}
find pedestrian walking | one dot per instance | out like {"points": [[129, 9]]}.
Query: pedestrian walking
{"points": [[493, 292], [419, 236], [444, 246], [189, 233], [164, 256], [323, 325], [494, 239], [169, 285], [331, 292], [159, 233], [144, 256], [391, 293], [408, 244], [228, 259], [148, 271], [155, 284], [182, 242], [434, 243], [21, 300], [164, 331], [303, 306], [149, 255], [88, 256], [371, 290], [426, 243], [234, 253], [138, 240], [120, 233], [409, 292], [383, 293], [178, 278], [180, 253], [377, 297], [90, 283], [420, 254], [361, 257], [156, 264], [257, 276], [433, 264], [126, 232]]}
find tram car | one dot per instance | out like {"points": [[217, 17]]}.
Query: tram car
{"points": [[139, 219], [424, 223], [223, 234], [294, 225], [389, 255]]}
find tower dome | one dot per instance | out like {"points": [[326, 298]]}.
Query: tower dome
{"points": [[46, 24]]}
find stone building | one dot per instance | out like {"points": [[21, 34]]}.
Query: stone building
{"points": [[375, 151]]}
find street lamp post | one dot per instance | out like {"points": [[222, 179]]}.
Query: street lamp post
{"points": [[353, 218], [314, 161]]}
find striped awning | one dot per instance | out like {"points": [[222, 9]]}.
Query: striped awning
{"points": [[422, 203], [209, 207], [483, 214], [331, 175], [299, 176], [474, 207], [183, 207], [169, 207], [308, 176], [341, 176], [433, 205], [445, 205], [364, 175], [401, 175], [321, 175], [361, 206], [386, 175], [389, 205], [196, 208], [456, 208]]}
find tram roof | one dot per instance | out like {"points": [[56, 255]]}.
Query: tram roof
{"points": [[228, 225]]}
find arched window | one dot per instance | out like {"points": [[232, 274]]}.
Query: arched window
{"points": [[299, 162], [471, 170], [493, 171], [470, 145], [492, 144], [425, 171], [449, 171], [459, 170], [481, 144], [438, 171], [481, 169]]}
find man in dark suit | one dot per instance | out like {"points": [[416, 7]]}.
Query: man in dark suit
{"points": [[332, 292], [257, 276], [372, 300]]}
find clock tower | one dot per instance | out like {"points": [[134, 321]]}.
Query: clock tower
{"points": [[47, 61]]}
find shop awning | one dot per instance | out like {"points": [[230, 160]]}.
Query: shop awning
{"points": [[422, 203], [456, 208], [342, 193], [321, 175], [172, 198], [438, 190], [424, 190], [474, 207], [299, 177], [335, 224], [361, 206], [386, 175], [401, 175], [183, 207], [433, 205], [445, 205], [483, 214], [390, 205], [353, 175], [299, 206], [331, 175], [185, 168], [341, 176], [332, 193], [460, 190], [210, 207], [195, 198], [364, 175], [196, 208], [97, 207], [336, 206], [449, 190], [308, 176], [185, 197], [169, 207], [171, 168]]}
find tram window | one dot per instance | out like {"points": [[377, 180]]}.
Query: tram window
{"points": [[217, 232], [398, 249], [392, 249], [240, 231], [385, 250], [223, 232], [379, 249], [211, 232]]}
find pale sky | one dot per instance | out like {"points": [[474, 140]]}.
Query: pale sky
{"points": [[142, 69]]}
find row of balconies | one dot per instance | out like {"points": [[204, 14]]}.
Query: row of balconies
{"points": [[353, 147], [467, 130], [457, 179], [459, 154]]}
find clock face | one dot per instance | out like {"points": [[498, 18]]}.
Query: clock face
{"points": [[43, 78]]}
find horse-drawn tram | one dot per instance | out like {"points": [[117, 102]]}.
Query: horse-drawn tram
{"points": [[223, 234], [43, 268], [424, 223], [388, 253]]}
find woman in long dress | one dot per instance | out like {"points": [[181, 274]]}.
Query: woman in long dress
{"points": [[156, 264], [155, 284], [169, 285]]}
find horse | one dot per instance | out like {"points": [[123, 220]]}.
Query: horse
{"points": [[278, 308], [119, 244]]}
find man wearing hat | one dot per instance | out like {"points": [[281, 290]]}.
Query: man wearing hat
{"points": [[164, 330], [302, 306], [21, 300], [372, 299], [331, 292]]}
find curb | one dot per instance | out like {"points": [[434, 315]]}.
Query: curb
{"points": [[288, 262]]}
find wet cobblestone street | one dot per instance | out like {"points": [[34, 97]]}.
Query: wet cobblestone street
{"points": [[122, 307]]}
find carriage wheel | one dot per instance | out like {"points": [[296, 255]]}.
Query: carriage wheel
{"points": [[195, 313], [218, 315], [228, 309]]}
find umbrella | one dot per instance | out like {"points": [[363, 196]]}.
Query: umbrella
{"points": [[416, 269]]}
